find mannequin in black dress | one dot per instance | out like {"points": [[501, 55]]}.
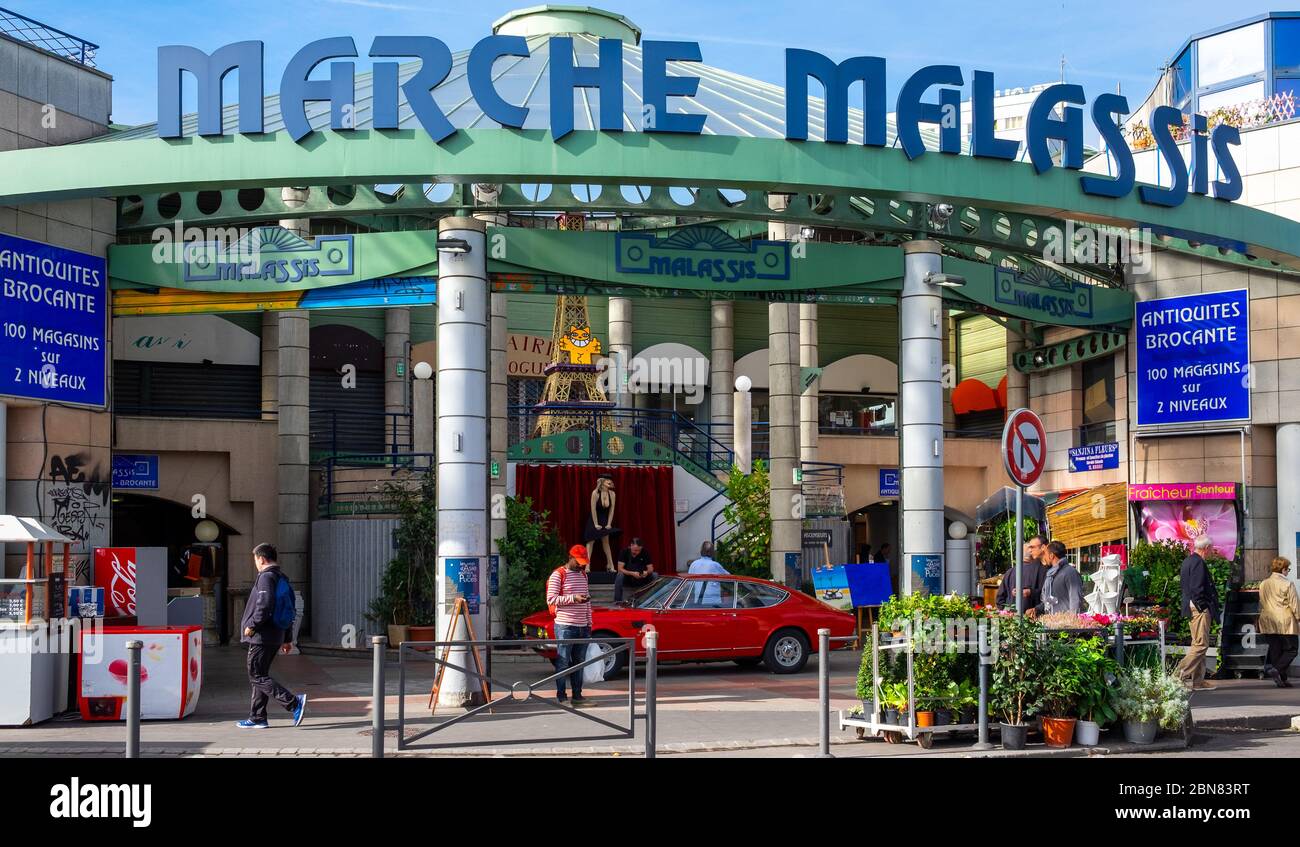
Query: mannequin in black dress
{"points": [[600, 523]]}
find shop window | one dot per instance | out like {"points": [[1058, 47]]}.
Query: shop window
{"points": [[1098, 401], [1286, 45], [522, 393], [856, 414]]}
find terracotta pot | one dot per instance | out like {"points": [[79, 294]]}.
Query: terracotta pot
{"points": [[423, 633], [1058, 732], [925, 718]]}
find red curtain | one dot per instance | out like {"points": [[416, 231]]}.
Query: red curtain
{"points": [[644, 507]]}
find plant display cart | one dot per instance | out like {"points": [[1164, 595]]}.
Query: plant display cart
{"points": [[874, 725]]}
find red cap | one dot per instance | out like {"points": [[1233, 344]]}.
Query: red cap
{"points": [[579, 552]]}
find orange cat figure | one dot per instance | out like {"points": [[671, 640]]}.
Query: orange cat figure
{"points": [[581, 346]]}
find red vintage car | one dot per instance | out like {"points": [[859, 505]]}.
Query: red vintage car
{"points": [[711, 618]]}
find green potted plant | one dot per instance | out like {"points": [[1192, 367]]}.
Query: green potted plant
{"points": [[1095, 699], [894, 695], [1062, 684], [1016, 678], [867, 692], [1147, 700], [968, 701], [946, 703]]}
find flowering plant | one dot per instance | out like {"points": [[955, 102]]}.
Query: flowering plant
{"points": [[1151, 694]]}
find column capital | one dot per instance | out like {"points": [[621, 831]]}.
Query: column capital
{"points": [[923, 245], [471, 224]]}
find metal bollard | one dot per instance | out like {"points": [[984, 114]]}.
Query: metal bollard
{"points": [[133, 698], [1162, 643], [651, 675], [986, 659], [1119, 643], [824, 693], [378, 643]]}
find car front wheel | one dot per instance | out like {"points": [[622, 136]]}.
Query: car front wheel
{"points": [[786, 652]]}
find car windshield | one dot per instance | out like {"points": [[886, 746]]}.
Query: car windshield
{"points": [[654, 595]]}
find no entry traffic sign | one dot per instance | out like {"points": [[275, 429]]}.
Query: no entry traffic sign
{"points": [[1024, 447]]}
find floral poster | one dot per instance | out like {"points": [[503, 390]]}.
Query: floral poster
{"points": [[1186, 520]]}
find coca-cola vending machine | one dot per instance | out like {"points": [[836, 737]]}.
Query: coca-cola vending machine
{"points": [[134, 580]]}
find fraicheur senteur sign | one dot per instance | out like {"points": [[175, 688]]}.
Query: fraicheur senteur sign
{"points": [[1193, 358]]}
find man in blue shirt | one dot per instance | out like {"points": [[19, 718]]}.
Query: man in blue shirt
{"points": [[707, 565]]}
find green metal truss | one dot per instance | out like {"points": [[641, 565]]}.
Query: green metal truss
{"points": [[1062, 354], [1002, 205]]}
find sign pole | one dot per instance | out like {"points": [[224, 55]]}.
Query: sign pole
{"points": [[1024, 456], [1020, 546]]}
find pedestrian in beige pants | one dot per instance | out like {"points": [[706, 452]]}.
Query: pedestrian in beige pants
{"points": [[1201, 605]]}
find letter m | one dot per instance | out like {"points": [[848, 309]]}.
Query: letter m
{"points": [[835, 79], [210, 72]]}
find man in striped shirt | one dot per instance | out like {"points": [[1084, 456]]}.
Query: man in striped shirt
{"points": [[567, 593]]}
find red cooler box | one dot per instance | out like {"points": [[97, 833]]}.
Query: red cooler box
{"points": [[171, 671]]}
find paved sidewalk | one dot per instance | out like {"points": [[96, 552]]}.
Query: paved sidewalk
{"points": [[717, 709]]}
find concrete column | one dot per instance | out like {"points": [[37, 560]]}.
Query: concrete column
{"points": [[722, 365], [270, 364], [498, 406], [921, 415], [397, 341], [742, 418], [1288, 494], [620, 347], [808, 399], [1017, 383], [295, 198], [949, 371], [783, 435], [462, 434], [422, 417], [294, 402]]}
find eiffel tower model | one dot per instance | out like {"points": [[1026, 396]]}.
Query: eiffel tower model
{"points": [[572, 398]]}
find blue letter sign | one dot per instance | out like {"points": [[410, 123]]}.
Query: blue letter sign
{"points": [[1193, 358], [52, 323]]}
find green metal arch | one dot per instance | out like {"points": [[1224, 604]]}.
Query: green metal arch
{"points": [[110, 168]]}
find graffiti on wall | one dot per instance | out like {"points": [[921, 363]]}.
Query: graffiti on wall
{"points": [[76, 500]]}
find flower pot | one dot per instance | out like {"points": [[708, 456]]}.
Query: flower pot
{"points": [[1058, 732], [423, 633], [868, 709], [397, 634], [925, 718], [1087, 733], [1013, 735], [1141, 732], [942, 717], [891, 716]]}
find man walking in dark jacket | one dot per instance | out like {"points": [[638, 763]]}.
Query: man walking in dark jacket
{"points": [[263, 638], [1201, 605]]}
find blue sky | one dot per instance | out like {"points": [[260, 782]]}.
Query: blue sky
{"points": [[1105, 42]]}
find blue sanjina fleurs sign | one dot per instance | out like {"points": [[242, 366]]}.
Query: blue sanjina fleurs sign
{"points": [[1094, 457], [1055, 117]]}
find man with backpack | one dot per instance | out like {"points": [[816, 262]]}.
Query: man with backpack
{"points": [[268, 626], [569, 601]]}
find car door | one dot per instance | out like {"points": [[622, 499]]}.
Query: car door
{"points": [[697, 623], [755, 620]]}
